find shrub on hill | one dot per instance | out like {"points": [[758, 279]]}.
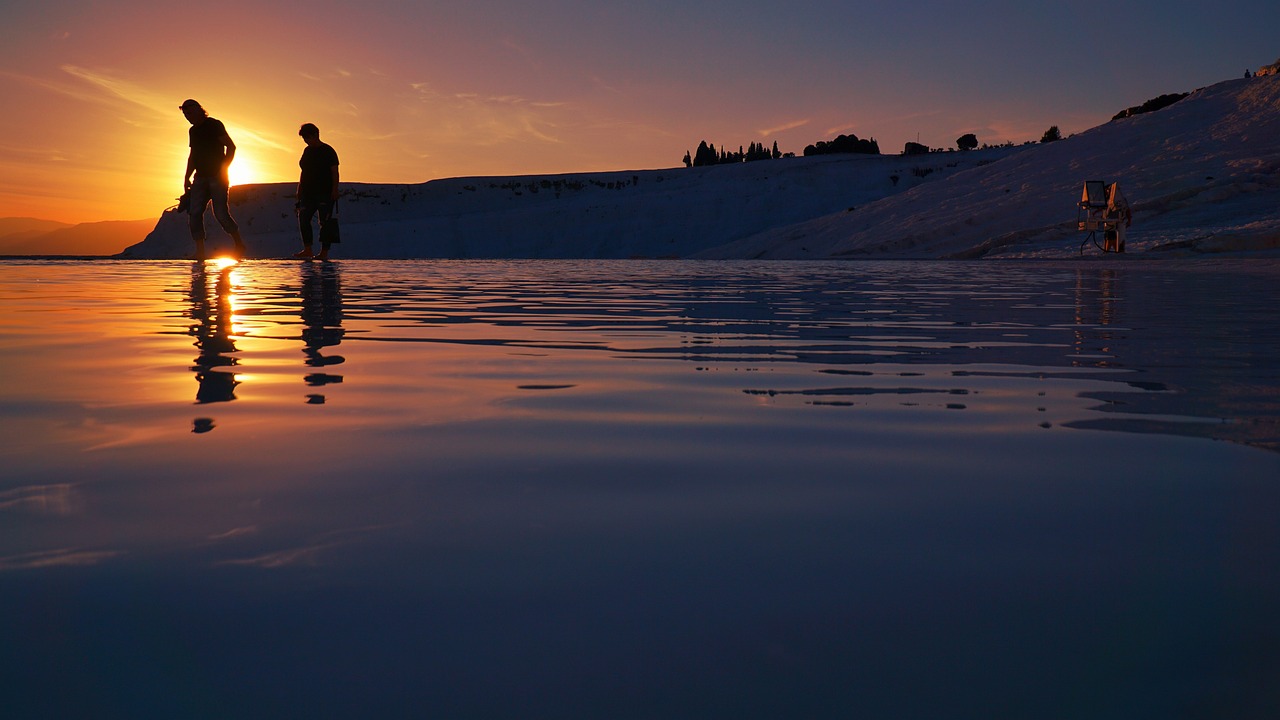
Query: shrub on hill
{"points": [[843, 144], [707, 154], [1152, 105], [968, 141], [1053, 134]]}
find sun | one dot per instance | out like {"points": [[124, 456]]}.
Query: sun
{"points": [[244, 171]]}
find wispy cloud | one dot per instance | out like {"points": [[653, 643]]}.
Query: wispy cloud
{"points": [[235, 533], [63, 557], [502, 117], [533, 131], [303, 555], [125, 90], [33, 154], [76, 92], [783, 128], [601, 84], [881, 122], [261, 139], [57, 499], [283, 558]]}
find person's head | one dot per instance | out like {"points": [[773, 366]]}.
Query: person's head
{"points": [[193, 111], [308, 132]]}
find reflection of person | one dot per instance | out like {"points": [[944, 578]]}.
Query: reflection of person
{"points": [[212, 332], [322, 323], [211, 154], [317, 188]]}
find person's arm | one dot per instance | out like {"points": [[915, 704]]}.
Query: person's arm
{"points": [[334, 169], [231, 148], [191, 167]]}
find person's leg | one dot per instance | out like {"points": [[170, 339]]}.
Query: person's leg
{"points": [[305, 213], [326, 210], [222, 211], [198, 200]]}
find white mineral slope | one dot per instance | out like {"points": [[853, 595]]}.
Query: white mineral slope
{"points": [[1202, 176], [650, 213]]}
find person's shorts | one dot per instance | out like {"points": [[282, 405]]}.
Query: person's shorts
{"points": [[204, 190]]}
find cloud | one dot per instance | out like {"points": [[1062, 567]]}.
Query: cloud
{"points": [[283, 558], [63, 557], [234, 533], [57, 499], [33, 154], [783, 128], [121, 89], [865, 127], [502, 118], [64, 89], [263, 140], [536, 133], [115, 90], [303, 555]]}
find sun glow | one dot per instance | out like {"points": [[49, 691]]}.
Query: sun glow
{"points": [[244, 171]]}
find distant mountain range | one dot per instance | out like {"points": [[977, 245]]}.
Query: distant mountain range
{"points": [[31, 236]]}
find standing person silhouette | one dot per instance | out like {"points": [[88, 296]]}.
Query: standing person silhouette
{"points": [[317, 189], [211, 154]]}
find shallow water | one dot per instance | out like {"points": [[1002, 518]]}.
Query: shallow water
{"points": [[639, 489]]}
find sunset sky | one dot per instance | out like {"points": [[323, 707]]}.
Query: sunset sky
{"points": [[410, 91]]}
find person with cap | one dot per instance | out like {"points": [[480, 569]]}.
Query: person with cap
{"points": [[317, 190], [211, 154]]}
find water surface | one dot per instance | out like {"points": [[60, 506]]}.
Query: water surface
{"points": [[639, 489]]}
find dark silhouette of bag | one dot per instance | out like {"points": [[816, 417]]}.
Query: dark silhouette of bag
{"points": [[329, 234]]}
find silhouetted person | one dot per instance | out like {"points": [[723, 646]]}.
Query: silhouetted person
{"points": [[211, 154], [317, 189]]}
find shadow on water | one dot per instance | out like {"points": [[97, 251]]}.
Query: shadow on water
{"points": [[214, 319], [212, 297], [322, 324]]}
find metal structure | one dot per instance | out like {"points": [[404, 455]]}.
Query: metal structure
{"points": [[1103, 207]]}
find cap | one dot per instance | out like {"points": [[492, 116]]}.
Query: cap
{"points": [[189, 103]]}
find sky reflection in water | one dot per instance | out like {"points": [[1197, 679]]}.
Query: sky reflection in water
{"points": [[634, 489]]}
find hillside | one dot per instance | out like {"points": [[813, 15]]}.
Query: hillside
{"points": [[11, 226], [649, 213], [1201, 175], [26, 236]]}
